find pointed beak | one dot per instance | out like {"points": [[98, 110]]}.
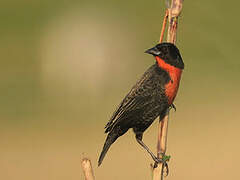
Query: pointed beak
{"points": [[154, 51]]}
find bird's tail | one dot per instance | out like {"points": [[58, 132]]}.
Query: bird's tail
{"points": [[111, 138]]}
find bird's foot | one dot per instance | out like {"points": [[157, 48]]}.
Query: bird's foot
{"points": [[172, 106], [163, 161]]}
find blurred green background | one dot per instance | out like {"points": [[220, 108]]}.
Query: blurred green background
{"points": [[65, 66]]}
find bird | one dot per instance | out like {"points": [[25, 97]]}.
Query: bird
{"points": [[151, 97]]}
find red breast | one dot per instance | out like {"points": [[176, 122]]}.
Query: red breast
{"points": [[171, 87]]}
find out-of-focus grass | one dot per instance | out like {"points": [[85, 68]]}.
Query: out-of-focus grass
{"points": [[67, 64]]}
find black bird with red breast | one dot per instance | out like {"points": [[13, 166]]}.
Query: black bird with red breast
{"points": [[151, 97]]}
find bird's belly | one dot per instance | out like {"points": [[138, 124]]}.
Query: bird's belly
{"points": [[146, 119]]}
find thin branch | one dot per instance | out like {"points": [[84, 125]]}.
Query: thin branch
{"points": [[87, 169], [172, 13], [158, 170], [163, 26], [162, 136]]}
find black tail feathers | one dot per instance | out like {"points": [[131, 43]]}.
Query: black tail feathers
{"points": [[111, 138]]}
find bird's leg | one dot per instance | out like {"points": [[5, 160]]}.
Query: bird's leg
{"points": [[139, 140], [172, 106]]}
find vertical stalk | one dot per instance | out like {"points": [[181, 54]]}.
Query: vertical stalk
{"points": [[87, 169], [172, 13], [163, 26]]}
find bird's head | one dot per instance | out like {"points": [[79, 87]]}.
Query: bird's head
{"points": [[168, 53]]}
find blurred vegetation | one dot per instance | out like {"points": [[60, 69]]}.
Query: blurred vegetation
{"points": [[65, 66]]}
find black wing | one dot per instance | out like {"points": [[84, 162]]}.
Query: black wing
{"points": [[143, 93]]}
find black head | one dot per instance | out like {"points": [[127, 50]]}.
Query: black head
{"points": [[169, 53]]}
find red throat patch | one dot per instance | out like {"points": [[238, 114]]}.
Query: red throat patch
{"points": [[171, 87]]}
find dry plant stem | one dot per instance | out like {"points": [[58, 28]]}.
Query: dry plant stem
{"points": [[163, 26], [172, 30], [172, 14], [87, 169], [162, 136], [161, 147]]}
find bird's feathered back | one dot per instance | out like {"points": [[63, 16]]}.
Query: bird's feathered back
{"points": [[146, 90]]}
